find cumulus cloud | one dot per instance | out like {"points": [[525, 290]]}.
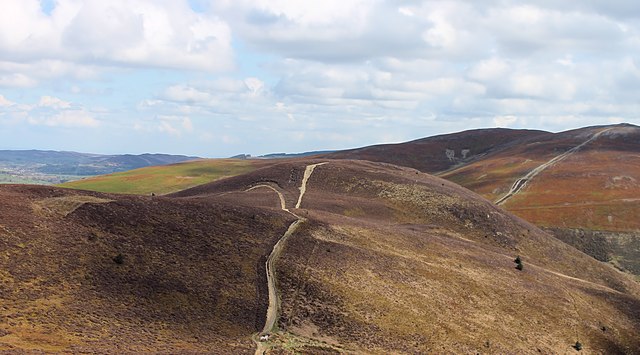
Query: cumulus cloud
{"points": [[48, 111], [103, 34], [172, 125], [53, 102], [66, 118]]}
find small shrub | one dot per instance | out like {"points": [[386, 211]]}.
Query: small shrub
{"points": [[518, 262], [578, 346], [118, 259]]}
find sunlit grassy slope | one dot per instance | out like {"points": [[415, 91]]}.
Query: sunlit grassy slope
{"points": [[167, 178]]}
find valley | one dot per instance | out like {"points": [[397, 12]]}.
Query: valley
{"points": [[54, 167]]}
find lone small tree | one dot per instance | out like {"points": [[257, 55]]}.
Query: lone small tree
{"points": [[578, 346], [518, 262]]}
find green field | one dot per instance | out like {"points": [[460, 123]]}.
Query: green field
{"points": [[166, 178]]}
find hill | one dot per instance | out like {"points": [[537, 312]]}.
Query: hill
{"points": [[167, 178], [363, 257], [582, 184], [391, 260], [50, 167], [88, 272], [440, 153]]}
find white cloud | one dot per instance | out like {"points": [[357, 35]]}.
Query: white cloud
{"points": [[49, 111], [67, 118], [504, 121], [17, 80], [183, 93], [105, 34], [167, 127], [255, 86], [4, 102], [54, 102], [173, 125], [489, 69]]}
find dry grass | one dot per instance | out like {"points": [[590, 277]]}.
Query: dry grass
{"points": [[167, 178]]}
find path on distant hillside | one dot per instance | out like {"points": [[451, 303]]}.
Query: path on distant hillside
{"points": [[274, 301], [521, 182]]}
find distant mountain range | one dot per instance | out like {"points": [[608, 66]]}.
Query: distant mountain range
{"points": [[282, 155], [46, 166]]}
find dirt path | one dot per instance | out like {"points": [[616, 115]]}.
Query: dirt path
{"points": [[274, 300], [303, 186], [522, 182], [283, 203]]}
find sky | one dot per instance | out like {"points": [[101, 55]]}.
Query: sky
{"points": [[224, 77]]}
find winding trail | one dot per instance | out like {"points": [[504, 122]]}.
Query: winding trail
{"points": [[274, 300], [283, 203], [520, 183]]}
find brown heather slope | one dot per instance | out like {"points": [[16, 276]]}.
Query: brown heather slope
{"points": [[430, 154], [387, 260], [393, 260], [590, 199], [190, 280], [598, 187]]}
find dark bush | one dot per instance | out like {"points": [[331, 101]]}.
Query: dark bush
{"points": [[578, 346], [118, 259], [518, 262]]}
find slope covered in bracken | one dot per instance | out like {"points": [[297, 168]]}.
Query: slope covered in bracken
{"points": [[384, 260], [597, 187], [590, 198]]}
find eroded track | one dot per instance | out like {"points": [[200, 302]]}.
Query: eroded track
{"points": [[274, 299], [520, 183]]}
